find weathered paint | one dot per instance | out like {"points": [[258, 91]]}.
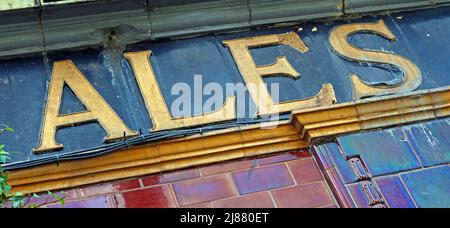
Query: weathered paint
{"points": [[23, 82]]}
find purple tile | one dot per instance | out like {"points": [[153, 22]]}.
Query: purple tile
{"points": [[205, 189], [358, 196], [94, 202], [365, 194], [394, 192], [260, 179]]}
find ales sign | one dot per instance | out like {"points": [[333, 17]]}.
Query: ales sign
{"points": [[75, 100]]}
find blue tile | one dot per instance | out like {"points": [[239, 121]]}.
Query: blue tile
{"points": [[430, 141], [429, 187], [383, 152], [394, 192], [339, 161]]}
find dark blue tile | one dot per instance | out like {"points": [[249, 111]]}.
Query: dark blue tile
{"points": [[394, 192], [383, 152], [430, 141], [429, 187]]}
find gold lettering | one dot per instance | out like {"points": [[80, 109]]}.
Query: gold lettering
{"points": [[156, 105], [339, 42], [65, 72], [253, 74]]}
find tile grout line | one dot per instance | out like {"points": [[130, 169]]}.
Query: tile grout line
{"points": [[291, 174], [330, 190], [272, 199], [408, 191], [174, 195]]}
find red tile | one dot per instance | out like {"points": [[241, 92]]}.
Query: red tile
{"points": [[280, 158], [301, 154], [305, 171], [204, 189], [171, 177], [304, 196], [200, 205], [93, 202], [260, 179], [257, 200], [228, 167], [156, 197], [127, 185]]}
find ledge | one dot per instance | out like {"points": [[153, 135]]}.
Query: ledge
{"points": [[381, 112], [159, 157]]}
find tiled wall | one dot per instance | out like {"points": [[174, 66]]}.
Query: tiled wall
{"points": [[284, 180], [400, 167]]}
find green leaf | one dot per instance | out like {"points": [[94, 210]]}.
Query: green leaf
{"points": [[4, 159], [7, 189], [2, 146], [9, 129], [16, 203], [19, 194]]}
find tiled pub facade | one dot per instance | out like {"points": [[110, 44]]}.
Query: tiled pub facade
{"points": [[390, 150], [398, 167]]}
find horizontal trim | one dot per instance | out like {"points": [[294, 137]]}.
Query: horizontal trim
{"points": [[159, 157], [316, 123]]}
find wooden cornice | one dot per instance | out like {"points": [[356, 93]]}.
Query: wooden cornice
{"points": [[381, 112], [305, 127]]}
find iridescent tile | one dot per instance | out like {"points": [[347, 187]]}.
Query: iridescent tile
{"points": [[430, 141], [383, 152], [331, 153], [429, 187], [394, 192]]}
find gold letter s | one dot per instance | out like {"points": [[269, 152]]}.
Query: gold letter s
{"points": [[339, 42]]}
